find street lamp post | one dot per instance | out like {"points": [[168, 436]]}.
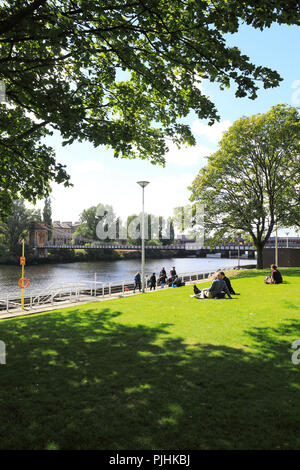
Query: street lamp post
{"points": [[143, 184], [276, 246], [239, 241]]}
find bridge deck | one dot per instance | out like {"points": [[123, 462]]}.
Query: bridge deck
{"points": [[189, 246]]}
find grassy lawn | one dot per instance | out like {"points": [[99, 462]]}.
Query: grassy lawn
{"points": [[157, 371]]}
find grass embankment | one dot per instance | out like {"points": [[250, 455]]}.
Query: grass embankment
{"points": [[157, 371]]}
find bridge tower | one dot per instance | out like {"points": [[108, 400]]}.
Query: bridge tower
{"points": [[38, 237]]}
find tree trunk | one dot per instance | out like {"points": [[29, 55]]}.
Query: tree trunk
{"points": [[260, 256]]}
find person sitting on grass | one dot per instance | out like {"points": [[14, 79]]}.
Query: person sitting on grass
{"points": [[217, 290], [228, 283], [178, 282], [197, 292], [275, 277]]}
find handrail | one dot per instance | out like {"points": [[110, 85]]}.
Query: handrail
{"points": [[77, 291]]}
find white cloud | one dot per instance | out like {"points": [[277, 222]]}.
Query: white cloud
{"points": [[213, 133], [114, 182], [85, 167], [187, 155], [296, 94], [164, 192]]}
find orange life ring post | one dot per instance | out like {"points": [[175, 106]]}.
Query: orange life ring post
{"points": [[21, 283]]}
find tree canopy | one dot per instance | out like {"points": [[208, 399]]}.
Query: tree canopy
{"points": [[252, 183], [118, 73], [89, 220], [17, 226]]}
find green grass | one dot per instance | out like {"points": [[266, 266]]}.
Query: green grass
{"points": [[157, 371]]}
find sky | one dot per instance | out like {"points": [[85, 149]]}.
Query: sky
{"points": [[100, 178]]}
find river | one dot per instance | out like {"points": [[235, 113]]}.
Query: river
{"points": [[43, 276]]}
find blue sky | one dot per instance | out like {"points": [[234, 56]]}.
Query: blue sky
{"points": [[98, 177]]}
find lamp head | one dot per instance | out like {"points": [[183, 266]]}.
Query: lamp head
{"points": [[143, 184]]}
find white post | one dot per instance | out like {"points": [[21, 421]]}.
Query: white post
{"points": [[95, 276], [143, 246], [276, 247], [143, 184]]}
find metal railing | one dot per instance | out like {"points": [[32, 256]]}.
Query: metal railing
{"points": [[82, 291]]}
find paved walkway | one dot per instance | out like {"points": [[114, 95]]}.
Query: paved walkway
{"points": [[84, 299]]}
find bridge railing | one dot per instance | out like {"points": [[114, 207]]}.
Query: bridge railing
{"points": [[73, 292]]}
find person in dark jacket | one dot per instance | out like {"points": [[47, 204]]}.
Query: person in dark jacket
{"points": [[173, 272], [178, 282], [228, 283], [162, 278], [152, 281], [217, 290], [163, 273], [196, 290], [137, 282], [276, 277]]}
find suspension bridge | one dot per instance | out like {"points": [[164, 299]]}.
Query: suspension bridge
{"points": [[39, 240]]}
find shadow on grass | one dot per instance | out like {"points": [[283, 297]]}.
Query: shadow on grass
{"points": [[84, 381]]}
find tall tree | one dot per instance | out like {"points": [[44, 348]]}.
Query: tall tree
{"points": [[188, 219], [47, 215], [17, 225], [97, 223], [63, 66], [252, 183]]}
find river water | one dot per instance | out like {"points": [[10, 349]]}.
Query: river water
{"points": [[44, 276]]}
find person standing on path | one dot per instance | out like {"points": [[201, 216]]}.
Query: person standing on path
{"points": [[152, 281], [137, 282]]}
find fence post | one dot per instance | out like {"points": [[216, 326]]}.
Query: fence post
{"points": [[123, 287], [103, 289], [109, 289], [7, 304]]}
